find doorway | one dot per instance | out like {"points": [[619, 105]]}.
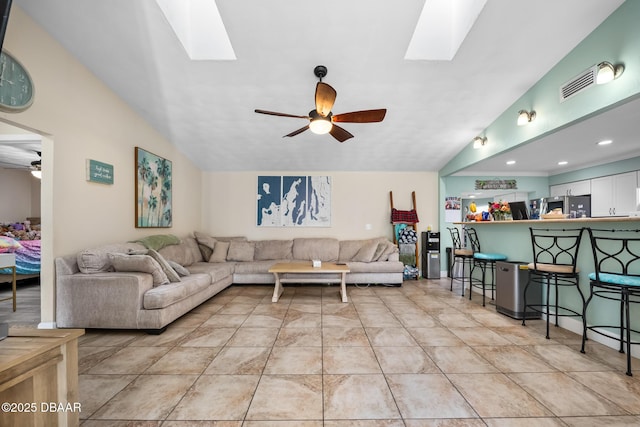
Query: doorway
{"points": [[20, 221]]}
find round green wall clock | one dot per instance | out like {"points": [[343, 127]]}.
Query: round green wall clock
{"points": [[16, 86]]}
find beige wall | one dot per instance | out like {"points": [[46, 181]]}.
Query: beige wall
{"points": [[82, 119], [358, 198], [20, 195]]}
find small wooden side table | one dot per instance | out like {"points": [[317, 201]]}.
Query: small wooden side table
{"points": [[9, 261], [39, 378]]}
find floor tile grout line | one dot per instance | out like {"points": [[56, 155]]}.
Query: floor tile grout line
{"points": [[389, 304]]}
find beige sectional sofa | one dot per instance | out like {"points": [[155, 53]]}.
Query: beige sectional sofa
{"points": [[143, 285]]}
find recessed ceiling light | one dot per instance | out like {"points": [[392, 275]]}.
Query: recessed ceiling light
{"points": [[511, 162], [605, 142], [563, 162]]}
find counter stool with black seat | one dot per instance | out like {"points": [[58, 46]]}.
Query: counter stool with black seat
{"points": [[616, 258], [461, 255], [486, 261], [555, 254]]}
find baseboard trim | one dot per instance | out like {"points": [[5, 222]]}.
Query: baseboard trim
{"points": [[47, 325]]}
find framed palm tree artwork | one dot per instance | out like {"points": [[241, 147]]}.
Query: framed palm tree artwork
{"points": [[153, 190]]}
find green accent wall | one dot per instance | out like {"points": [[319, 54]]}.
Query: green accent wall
{"points": [[616, 40]]}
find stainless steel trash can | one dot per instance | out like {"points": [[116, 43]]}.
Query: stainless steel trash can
{"points": [[511, 279], [433, 265]]}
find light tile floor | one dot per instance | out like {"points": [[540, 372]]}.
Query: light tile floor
{"points": [[418, 355]]}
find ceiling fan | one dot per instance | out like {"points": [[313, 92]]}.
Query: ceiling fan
{"points": [[35, 166], [322, 120]]}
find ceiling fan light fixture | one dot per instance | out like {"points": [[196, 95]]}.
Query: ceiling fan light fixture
{"points": [[607, 72], [37, 174], [525, 117], [320, 126]]}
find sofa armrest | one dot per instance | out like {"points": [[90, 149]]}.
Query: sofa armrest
{"points": [[100, 300]]}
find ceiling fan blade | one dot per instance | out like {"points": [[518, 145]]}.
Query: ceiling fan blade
{"points": [[339, 133], [365, 116], [325, 97], [273, 113], [297, 132]]}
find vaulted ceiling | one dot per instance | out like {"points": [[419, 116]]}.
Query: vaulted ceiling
{"points": [[206, 107]]}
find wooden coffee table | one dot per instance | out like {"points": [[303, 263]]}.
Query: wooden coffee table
{"points": [[294, 269]]}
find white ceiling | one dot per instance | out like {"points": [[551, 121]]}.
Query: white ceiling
{"points": [[18, 148], [206, 108]]}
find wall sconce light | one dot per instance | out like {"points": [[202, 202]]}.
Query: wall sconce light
{"points": [[479, 142], [607, 72], [525, 117]]}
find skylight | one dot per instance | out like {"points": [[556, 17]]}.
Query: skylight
{"points": [[442, 27], [199, 27]]}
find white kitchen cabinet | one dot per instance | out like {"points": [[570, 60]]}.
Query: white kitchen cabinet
{"points": [[577, 188], [614, 195], [512, 197]]}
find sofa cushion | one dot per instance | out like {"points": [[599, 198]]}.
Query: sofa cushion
{"points": [[215, 271], [255, 267], [139, 263], [95, 260], [185, 253], [172, 275], [164, 296], [385, 249], [366, 252], [240, 250], [220, 252], [181, 270], [348, 249], [206, 244], [376, 267], [273, 249], [323, 249]]}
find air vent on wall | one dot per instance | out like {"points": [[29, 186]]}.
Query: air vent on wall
{"points": [[578, 84]]}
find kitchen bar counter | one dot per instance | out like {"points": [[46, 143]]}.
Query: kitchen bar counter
{"points": [[513, 239], [540, 222]]}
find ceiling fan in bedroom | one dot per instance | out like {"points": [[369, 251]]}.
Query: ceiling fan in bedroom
{"points": [[36, 166], [19, 161], [322, 120]]}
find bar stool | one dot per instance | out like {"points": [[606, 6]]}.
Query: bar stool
{"points": [[461, 254], [484, 260], [616, 258], [555, 253]]}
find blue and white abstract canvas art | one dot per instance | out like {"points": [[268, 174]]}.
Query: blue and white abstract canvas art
{"points": [[294, 201]]}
